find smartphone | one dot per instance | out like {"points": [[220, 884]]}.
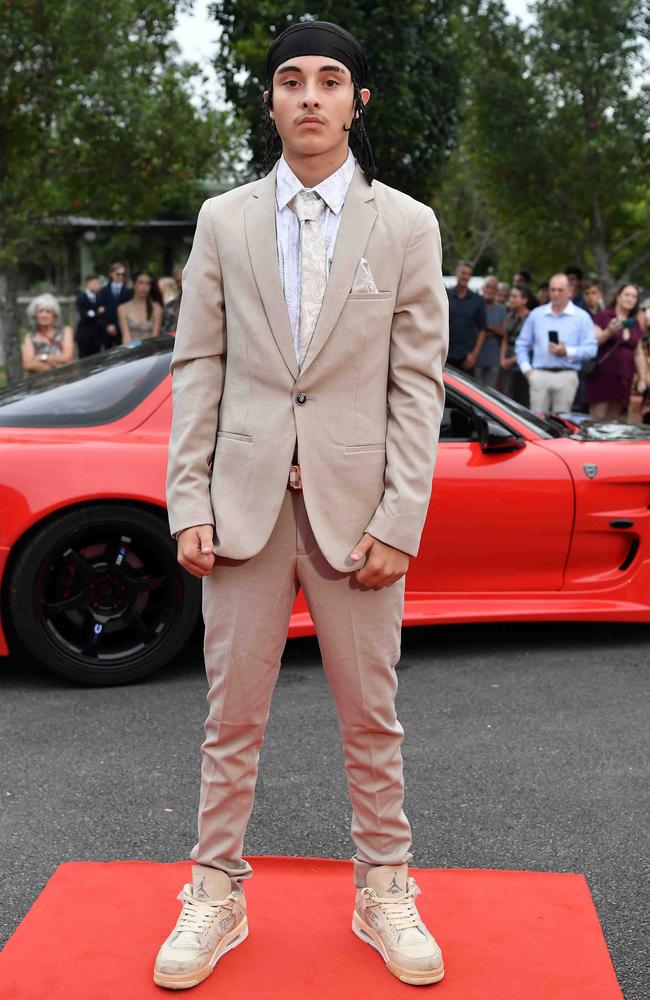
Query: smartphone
{"points": [[553, 337], [629, 323]]}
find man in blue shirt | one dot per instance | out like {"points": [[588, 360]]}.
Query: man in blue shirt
{"points": [[487, 364], [561, 336]]}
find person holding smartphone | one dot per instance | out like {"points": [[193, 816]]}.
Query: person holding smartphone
{"points": [[560, 336], [620, 358]]}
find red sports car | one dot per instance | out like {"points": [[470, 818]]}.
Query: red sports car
{"points": [[530, 518]]}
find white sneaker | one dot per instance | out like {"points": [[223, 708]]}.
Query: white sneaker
{"points": [[212, 922], [386, 917]]}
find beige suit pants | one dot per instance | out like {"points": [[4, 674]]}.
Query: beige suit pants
{"points": [[247, 606]]}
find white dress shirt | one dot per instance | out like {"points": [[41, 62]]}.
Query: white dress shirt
{"points": [[333, 191]]}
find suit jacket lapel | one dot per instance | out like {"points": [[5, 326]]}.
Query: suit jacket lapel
{"points": [[357, 219], [263, 251]]}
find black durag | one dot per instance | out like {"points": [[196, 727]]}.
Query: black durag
{"points": [[322, 38]]}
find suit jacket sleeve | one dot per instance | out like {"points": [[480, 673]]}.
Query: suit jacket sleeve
{"points": [[198, 367], [104, 299], [416, 395], [84, 307]]}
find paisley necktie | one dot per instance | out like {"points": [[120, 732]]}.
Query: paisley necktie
{"points": [[308, 207]]}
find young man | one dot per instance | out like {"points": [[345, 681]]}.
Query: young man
{"points": [[576, 276], [592, 293], [308, 394], [112, 295], [89, 332]]}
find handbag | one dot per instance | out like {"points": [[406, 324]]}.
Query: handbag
{"points": [[590, 365]]}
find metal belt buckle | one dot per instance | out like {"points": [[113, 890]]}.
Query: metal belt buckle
{"points": [[295, 480]]}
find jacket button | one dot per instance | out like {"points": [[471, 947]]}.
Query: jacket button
{"points": [[301, 398]]}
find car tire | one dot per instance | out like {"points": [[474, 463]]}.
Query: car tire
{"points": [[96, 595]]}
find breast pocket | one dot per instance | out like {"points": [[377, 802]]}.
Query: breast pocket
{"points": [[370, 312]]}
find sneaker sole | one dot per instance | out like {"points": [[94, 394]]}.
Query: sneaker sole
{"points": [[411, 976], [187, 980]]}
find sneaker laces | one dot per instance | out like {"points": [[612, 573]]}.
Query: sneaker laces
{"points": [[401, 913], [196, 915]]}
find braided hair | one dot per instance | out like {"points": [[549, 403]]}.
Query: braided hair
{"points": [[359, 141]]}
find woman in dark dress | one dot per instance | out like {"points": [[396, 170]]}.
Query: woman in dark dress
{"points": [[511, 381], [620, 355]]}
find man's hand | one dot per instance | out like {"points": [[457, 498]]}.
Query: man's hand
{"points": [[111, 329], [470, 361], [195, 549], [383, 566], [558, 349]]}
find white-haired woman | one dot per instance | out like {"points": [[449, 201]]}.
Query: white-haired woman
{"points": [[48, 344]]}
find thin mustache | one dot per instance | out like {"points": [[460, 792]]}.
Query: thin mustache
{"points": [[312, 115]]}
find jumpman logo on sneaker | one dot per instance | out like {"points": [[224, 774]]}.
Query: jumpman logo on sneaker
{"points": [[394, 887], [200, 890]]}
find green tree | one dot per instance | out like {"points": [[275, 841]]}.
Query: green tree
{"points": [[468, 226], [557, 118], [414, 78], [96, 117]]}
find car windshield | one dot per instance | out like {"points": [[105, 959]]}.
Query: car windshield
{"points": [[541, 425], [105, 387], [95, 390]]}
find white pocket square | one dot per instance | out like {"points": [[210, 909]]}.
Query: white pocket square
{"points": [[364, 282]]}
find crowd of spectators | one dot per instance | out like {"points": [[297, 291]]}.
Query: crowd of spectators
{"points": [[557, 347], [117, 312]]}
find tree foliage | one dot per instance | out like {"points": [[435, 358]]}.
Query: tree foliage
{"points": [[468, 226], [557, 120], [414, 78], [96, 117]]}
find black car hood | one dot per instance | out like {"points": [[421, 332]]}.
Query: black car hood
{"points": [[86, 393]]}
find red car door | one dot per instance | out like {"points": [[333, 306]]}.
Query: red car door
{"points": [[496, 522]]}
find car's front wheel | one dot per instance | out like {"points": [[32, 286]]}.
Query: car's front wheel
{"points": [[97, 595]]}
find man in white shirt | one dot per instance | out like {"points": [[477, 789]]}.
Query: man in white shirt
{"points": [[112, 295], [308, 394]]}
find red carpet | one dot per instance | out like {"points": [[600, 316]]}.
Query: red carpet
{"points": [[94, 931]]}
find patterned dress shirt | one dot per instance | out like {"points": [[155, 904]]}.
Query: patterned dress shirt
{"points": [[333, 191]]}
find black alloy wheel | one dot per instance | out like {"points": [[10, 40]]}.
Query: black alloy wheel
{"points": [[97, 595]]}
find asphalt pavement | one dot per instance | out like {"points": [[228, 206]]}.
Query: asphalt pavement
{"points": [[527, 747]]}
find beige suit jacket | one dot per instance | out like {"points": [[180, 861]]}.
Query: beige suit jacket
{"points": [[367, 431]]}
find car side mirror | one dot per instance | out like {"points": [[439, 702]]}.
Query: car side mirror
{"points": [[496, 439]]}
